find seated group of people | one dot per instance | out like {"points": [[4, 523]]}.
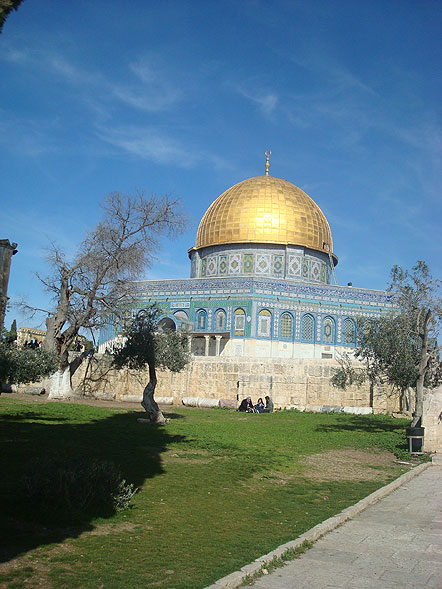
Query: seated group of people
{"points": [[248, 407]]}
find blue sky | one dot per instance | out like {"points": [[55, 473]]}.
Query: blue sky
{"points": [[184, 97]]}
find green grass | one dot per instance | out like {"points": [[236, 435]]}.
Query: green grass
{"points": [[218, 489]]}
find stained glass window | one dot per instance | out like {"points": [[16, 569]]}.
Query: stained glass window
{"points": [[201, 319], [307, 330], [264, 323], [349, 332], [286, 324], [239, 322], [220, 320]]}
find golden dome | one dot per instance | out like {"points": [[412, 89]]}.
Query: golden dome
{"points": [[265, 209]]}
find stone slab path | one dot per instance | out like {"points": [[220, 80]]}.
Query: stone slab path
{"points": [[397, 542]]}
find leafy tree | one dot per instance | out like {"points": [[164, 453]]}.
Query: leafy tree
{"points": [[11, 335], [347, 374], [420, 302], [21, 365], [401, 349], [90, 286], [7, 6], [145, 345]]}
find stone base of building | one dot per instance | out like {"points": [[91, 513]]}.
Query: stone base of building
{"points": [[302, 384]]}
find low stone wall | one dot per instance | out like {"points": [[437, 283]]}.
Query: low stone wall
{"points": [[291, 383]]}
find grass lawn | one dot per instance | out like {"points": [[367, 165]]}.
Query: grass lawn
{"points": [[217, 489]]}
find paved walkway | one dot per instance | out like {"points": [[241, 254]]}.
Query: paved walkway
{"points": [[396, 542]]}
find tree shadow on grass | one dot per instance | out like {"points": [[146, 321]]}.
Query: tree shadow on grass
{"points": [[134, 448], [30, 415], [362, 423]]}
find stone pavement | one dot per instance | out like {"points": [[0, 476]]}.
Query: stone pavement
{"points": [[396, 542]]}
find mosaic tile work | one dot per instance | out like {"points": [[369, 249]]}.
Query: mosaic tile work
{"points": [[197, 302], [222, 264], [278, 265], [212, 266], [261, 263], [248, 263], [235, 263], [325, 293]]}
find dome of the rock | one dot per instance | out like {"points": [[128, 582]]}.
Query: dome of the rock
{"points": [[265, 210]]}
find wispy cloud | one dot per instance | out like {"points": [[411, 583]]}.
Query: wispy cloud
{"points": [[25, 136], [265, 101], [149, 144], [154, 90], [153, 144]]}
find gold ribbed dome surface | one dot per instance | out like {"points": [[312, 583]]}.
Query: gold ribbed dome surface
{"points": [[265, 209]]}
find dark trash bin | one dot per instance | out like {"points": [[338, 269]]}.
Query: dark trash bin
{"points": [[415, 436]]}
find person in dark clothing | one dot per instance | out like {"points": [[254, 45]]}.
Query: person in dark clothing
{"points": [[259, 407], [269, 405], [246, 405]]}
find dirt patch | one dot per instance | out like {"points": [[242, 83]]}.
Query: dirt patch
{"points": [[333, 465], [347, 465], [31, 573], [107, 529]]}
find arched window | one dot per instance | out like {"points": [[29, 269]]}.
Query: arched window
{"points": [[220, 320], [201, 320], [264, 323], [166, 324], [328, 331], [308, 328], [349, 332], [286, 326], [239, 322], [181, 315]]}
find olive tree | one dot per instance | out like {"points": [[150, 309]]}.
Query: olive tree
{"points": [[401, 349], [420, 303], [147, 346], [88, 287], [21, 365]]}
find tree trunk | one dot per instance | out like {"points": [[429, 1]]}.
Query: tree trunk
{"points": [[154, 413], [60, 385], [422, 368]]}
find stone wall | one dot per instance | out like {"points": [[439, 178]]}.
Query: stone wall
{"points": [[432, 420], [299, 383]]}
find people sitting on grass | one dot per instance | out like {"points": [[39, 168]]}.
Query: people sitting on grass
{"points": [[269, 405], [259, 407], [246, 405]]}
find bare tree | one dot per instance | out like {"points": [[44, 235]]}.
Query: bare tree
{"points": [[90, 287]]}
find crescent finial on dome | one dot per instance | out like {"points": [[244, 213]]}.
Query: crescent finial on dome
{"points": [[268, 153]]}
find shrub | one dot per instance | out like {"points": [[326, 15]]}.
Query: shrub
{"points": [[72, 489], [20, 365]]}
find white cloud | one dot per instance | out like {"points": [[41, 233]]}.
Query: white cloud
{"points": [[149, 144], [153, 144], [265, 101], [154, 90]]}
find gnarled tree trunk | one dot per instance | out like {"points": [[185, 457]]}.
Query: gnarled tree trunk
{"points": [[60, 386], [154, 413], [422, 368]]}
